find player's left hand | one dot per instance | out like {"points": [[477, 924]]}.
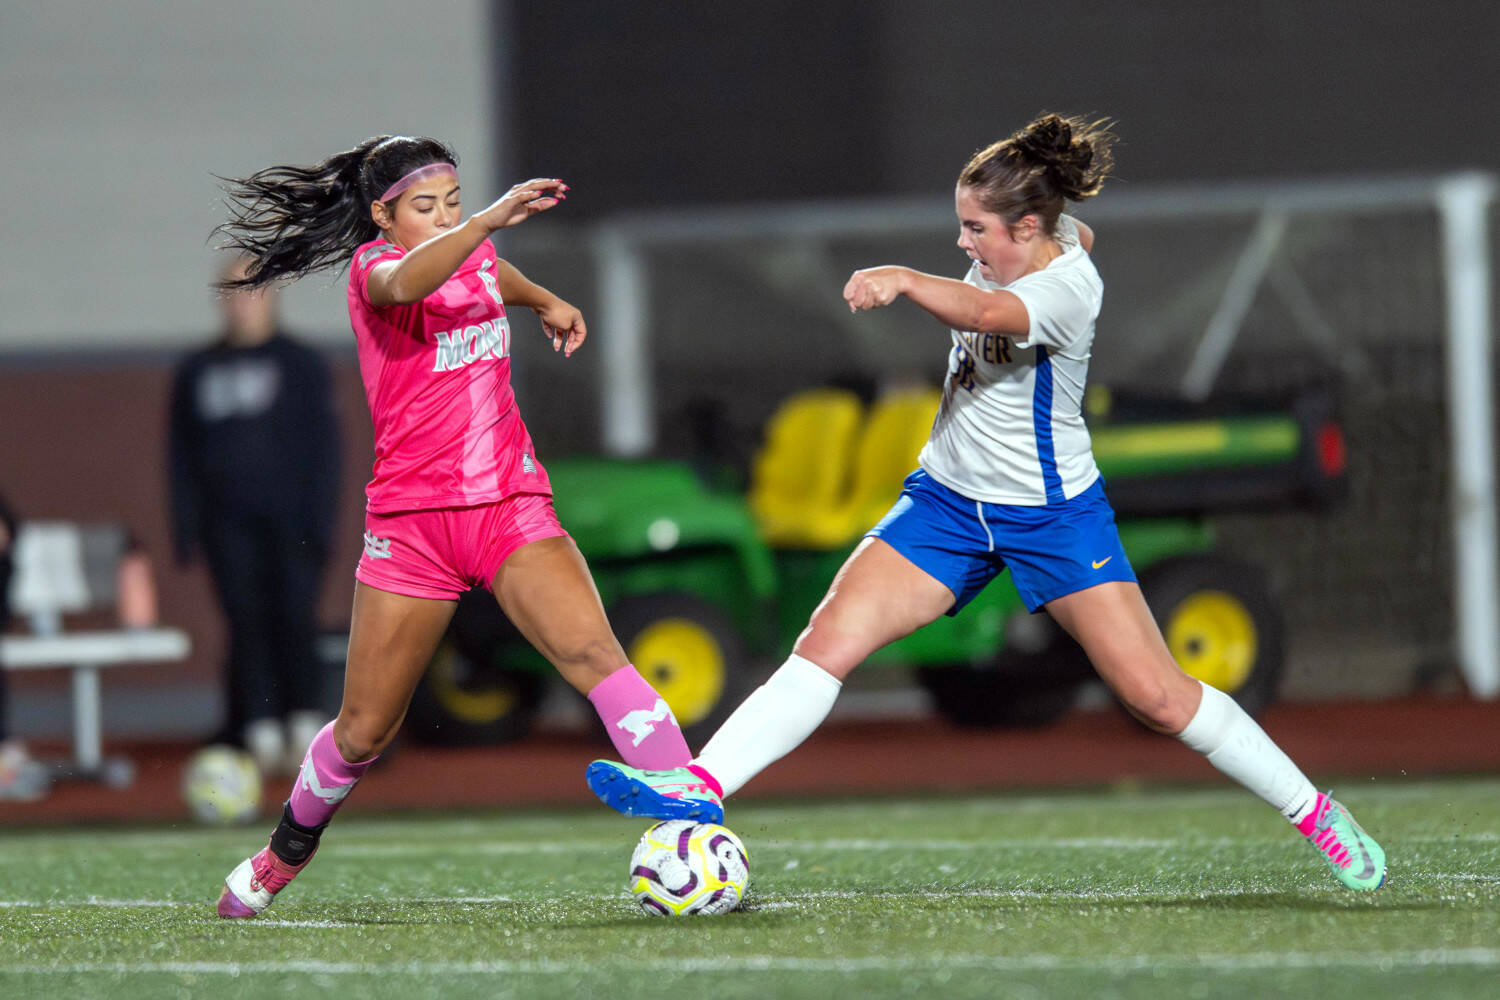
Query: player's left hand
{"points": [[872, 288], [564, 325], [523, 201]]}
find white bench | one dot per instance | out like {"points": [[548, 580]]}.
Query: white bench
{"points": [[63, 567]]}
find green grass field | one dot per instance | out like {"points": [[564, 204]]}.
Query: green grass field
{"points": [[1148, 893]]}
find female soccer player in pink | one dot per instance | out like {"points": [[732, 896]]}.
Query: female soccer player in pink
{"points": [[1007, 480], [459, 498]]}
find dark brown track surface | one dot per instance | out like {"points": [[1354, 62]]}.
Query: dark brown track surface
{"points": [[1345, 744]]}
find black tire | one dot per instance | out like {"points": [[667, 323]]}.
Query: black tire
{"points": [[468, 697], [1222, 624], [1017, 690], [690, 652]]}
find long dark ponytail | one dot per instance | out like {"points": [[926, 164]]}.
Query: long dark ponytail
{"points": [[289, 221]]}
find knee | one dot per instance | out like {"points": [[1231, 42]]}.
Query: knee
{"points": [[600, 654], [836, 659], [359, 737], [1163, 708], [587, 660], [837, 650]]}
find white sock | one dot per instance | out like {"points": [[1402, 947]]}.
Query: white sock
{"points": [[770, 723], [1233, 743]]}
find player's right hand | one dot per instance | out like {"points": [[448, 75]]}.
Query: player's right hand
{"points": [[522, 202], [872, 288]]}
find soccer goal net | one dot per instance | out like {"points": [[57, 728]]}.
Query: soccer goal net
{"points": [[1378, 289]]}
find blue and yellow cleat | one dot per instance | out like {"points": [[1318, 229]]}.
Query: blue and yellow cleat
{"points": [[674, 794]]}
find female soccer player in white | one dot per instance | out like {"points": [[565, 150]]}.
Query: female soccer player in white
{"points": [[459, 498], [1007, 479]]}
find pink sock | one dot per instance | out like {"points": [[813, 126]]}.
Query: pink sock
{"points": [[325, 779], [639, 723]]}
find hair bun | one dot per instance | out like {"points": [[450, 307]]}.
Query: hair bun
{"points": [[1036, 169], [1045, 140], [1075, 153]]}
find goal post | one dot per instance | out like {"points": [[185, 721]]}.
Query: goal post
{"points": [[1463, 203], [1267, 237]]}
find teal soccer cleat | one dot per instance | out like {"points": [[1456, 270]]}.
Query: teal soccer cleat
{"points": [[1356, 860], [675, 794]]}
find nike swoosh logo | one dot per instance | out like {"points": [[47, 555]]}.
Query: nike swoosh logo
{"points": [[1101, 562], [1369, 869]]}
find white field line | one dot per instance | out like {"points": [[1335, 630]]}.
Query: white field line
{"points": [[757, 902], [795, 900], [1000, 805], [126, 904], [888, 844], [192, 904], [300, 923], [572, 847], [1152, 799], [1482, 958], [830, 844], [800, 900]]}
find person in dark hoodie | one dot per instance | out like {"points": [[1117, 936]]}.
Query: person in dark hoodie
{"points": [[254, 456]]}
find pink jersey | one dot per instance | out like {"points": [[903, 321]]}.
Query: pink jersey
{"points": [[437, 377]]}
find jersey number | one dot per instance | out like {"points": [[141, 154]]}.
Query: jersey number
{"points": [[993, 347], [963, 375]]}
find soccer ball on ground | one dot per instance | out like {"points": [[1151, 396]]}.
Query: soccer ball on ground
{"points": [[681, 868], [221, 785]]}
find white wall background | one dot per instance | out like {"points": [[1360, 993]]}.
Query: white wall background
{"points": [[115, 116]]}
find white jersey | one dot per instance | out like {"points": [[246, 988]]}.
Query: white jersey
{"points": [[1010, 429]]}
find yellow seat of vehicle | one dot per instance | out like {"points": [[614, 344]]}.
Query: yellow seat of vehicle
{"points": [[895, 431], [829, 471], [799, 481]]}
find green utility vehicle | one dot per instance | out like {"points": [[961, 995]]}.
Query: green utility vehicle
{"points": [[707, 588]]}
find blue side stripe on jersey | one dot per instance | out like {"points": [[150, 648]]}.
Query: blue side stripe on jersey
{"points": [[1041, 422]]}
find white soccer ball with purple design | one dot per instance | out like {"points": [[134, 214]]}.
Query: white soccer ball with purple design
{"points": [[681, 868]]}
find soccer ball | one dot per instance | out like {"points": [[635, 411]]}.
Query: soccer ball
{"points": [[221, 785], [681, 867]]}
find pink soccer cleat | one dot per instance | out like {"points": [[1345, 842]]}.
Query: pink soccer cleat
{"points": [[254, 883]]}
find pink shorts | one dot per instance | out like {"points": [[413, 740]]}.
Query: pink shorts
{"points": [[440, 554]]}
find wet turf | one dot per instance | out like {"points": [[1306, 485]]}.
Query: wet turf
{"points": [[1148, 893]]}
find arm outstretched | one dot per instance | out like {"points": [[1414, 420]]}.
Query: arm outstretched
{"points": [[953, 303]]}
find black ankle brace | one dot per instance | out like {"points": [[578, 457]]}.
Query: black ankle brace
{"points": [[292, 842]]}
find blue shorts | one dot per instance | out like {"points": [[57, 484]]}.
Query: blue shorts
{"points": [[1052, 551]]}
